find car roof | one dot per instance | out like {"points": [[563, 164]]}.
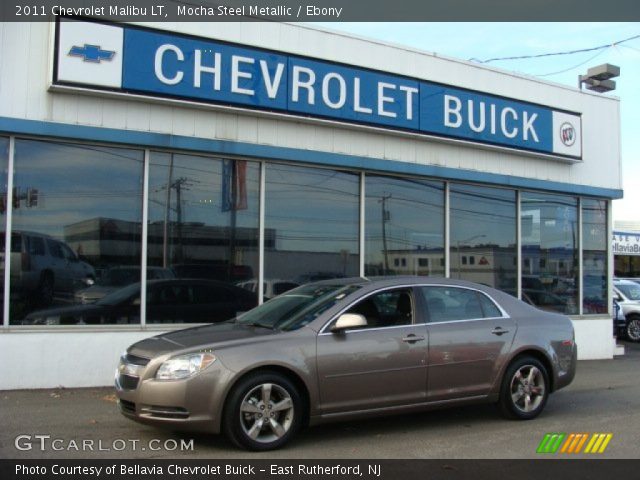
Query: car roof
{"points": [[402, 280]]}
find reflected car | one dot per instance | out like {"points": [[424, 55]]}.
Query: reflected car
{"points": [[43, 268], [345, 349], [627, 294], [168, 301], [115, 278], [551, 302]]}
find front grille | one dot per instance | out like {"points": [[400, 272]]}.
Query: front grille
{"points": [[128, 382], [136, 360], [127, 406], [165, 412]]}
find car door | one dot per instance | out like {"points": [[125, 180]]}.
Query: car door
{"points": [[58, 265], [381, 364], [469, 336]]}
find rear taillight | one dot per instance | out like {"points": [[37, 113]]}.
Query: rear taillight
{"points": [[567, 343], [26, 261]]}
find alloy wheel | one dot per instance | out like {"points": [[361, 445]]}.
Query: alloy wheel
{"points": [[527, 388], [266, 413]]}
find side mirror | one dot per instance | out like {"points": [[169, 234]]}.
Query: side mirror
{"points": [[347, 321], [617, 297]]}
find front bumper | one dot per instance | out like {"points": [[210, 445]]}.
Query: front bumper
{"points": [[191, 404]]}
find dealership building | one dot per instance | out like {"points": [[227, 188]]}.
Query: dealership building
{"points": [[276, 154]]}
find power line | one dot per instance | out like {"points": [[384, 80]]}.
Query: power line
{"points": [[567, 52]]}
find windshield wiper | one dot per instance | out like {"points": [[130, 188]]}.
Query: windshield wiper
{"points": [[259, 325]]}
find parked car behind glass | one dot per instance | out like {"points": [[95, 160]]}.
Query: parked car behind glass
{"points": [[168, 301], [115, 278], [43, 268]]}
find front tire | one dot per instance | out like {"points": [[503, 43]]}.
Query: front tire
{"points": [[525, 389], [633, 329], [263, 412]]}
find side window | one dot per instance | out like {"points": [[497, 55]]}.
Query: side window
{"points": [[445, 304], [386, 309], [36, 246], [488, 307], [54, 248], [68, 253], [208, 294]]}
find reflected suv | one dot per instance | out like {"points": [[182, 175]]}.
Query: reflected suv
{"points": [[43, 267]]}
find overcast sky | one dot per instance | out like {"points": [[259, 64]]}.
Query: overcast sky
{"points": [[489, 40]]}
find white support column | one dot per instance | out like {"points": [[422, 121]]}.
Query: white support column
{"points": [[518, 245], [580, 266], [447, 237], [610, 260], [7, 234], [144, 232], [363, 204], [261, 215]]}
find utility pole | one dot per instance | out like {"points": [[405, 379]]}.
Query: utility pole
{"points": [[385, 218]]}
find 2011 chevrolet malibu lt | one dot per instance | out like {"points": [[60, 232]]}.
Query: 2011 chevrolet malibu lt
{"points": [[349, 348]]}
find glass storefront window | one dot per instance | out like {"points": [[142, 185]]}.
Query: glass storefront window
{"points": [[483, 246], [77, 212], [404, 229], [550, 251], [594, 256], [311, 224], [202, 238]]}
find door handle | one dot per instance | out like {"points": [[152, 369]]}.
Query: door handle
{"points": [[411, 338], [499, 331]]}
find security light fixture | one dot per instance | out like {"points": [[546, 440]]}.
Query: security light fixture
{"points": [[599, 78]]}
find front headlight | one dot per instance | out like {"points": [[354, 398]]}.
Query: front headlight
{"points": [[184, 366]]}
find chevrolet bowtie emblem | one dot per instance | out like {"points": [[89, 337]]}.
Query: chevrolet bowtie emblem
{"points": [[91, 53]]}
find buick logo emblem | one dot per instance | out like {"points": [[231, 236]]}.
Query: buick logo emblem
{"points": [[567, 134]]}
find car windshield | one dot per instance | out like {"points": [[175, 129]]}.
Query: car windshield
{"points": [[296, 308], [632, 292], [120, 295]]}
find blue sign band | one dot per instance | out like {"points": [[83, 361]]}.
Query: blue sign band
{"points": [[171, 65]]}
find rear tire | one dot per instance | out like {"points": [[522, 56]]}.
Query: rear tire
{"points": [[633, 329], [525, 389], [262, 412]]}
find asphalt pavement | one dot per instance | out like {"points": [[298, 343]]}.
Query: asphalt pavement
{"points": [[85, 423]]}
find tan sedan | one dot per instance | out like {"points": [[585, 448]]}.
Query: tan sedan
{"points": [[349, 348]]}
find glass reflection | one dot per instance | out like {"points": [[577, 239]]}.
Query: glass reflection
{"points": [[203, 231], [77, 211], [549, 251], [594, 256], [311, 224], [404, 226], [483, 236]]}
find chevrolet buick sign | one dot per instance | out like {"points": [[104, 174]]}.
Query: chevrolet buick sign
{"points": [[133, 60]]}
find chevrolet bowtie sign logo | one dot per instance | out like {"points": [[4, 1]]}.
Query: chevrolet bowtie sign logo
{"points": [[91, 53]]}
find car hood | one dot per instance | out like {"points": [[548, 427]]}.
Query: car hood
{"points": [[210, 336], [96, 291]]}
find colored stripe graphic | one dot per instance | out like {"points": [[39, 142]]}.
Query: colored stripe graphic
{"points": [[551, 442], [573, 443]]}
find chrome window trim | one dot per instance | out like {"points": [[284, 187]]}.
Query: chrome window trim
{"points": [[323, 330]]}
